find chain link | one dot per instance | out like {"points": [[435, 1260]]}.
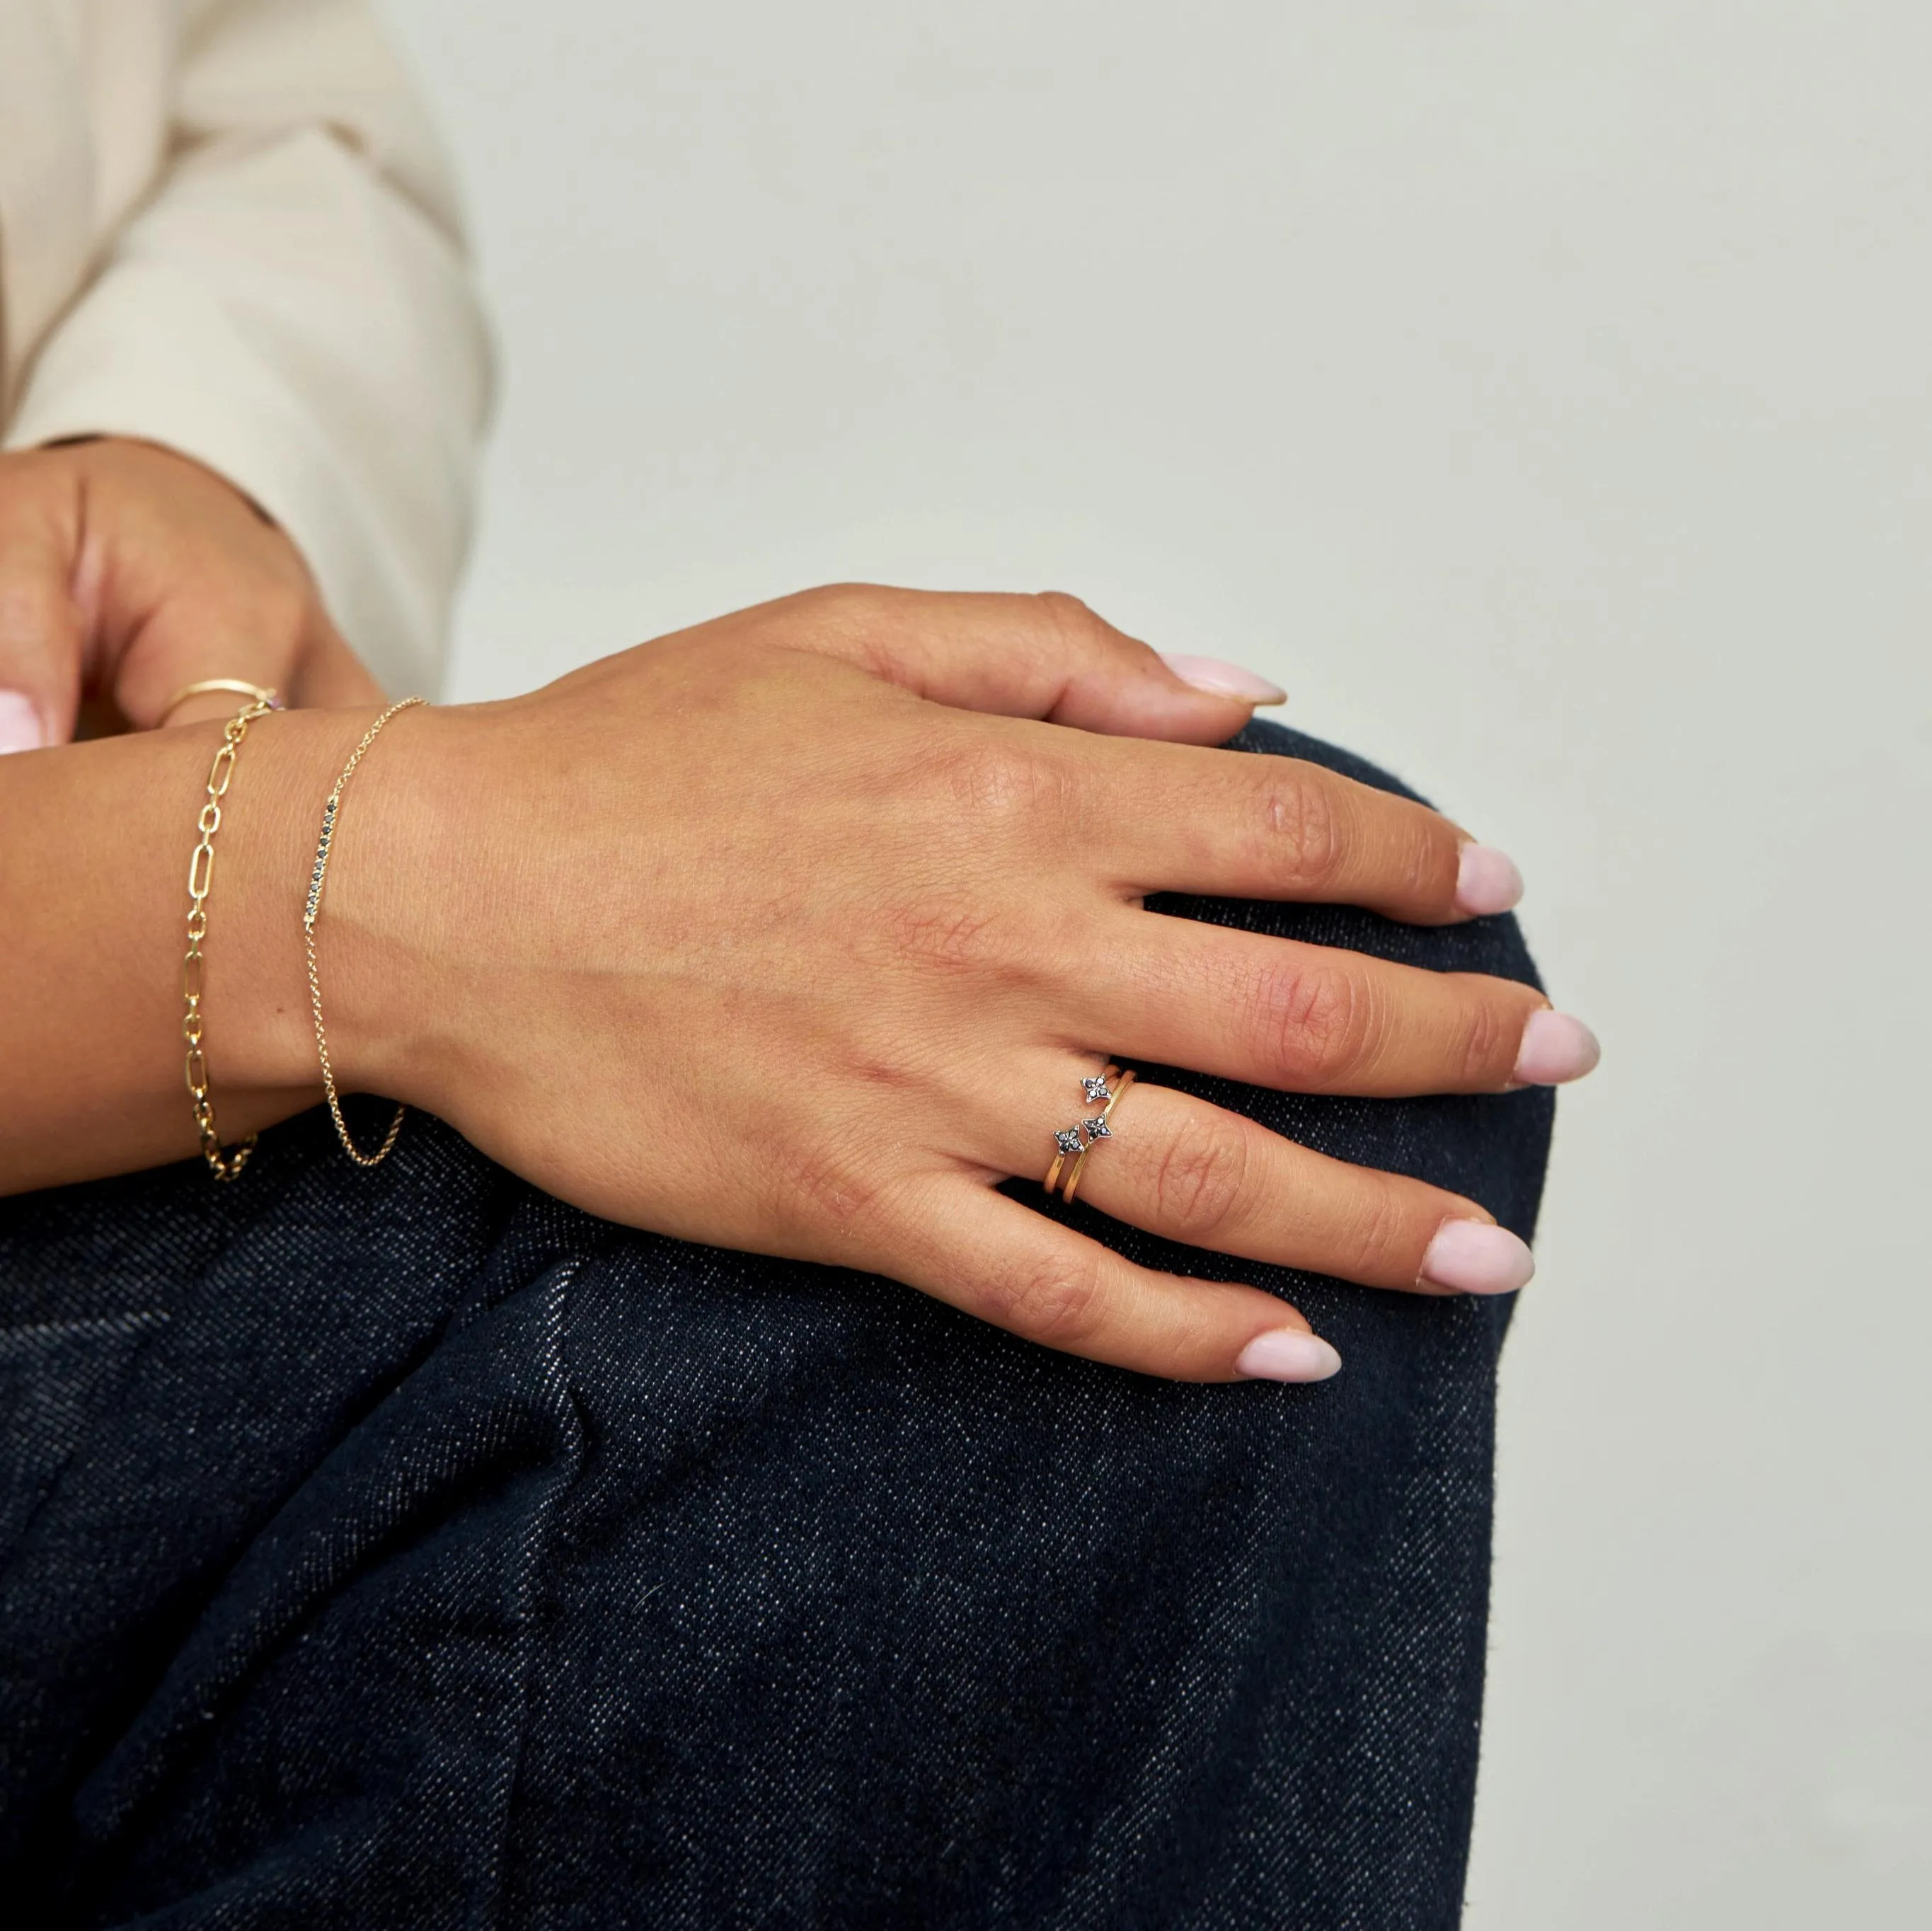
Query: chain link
{"points": [[311, 911], [224, 1166]]}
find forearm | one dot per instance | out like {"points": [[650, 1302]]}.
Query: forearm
{"points": [[94, 894]]}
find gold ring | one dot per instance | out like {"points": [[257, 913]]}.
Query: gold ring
{"points": [[1076, 1142], [232, 686], [1097, 1129], [1067, 1141]]}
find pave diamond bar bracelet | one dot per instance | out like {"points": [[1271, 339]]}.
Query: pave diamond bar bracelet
{"points": [[311, 910]]}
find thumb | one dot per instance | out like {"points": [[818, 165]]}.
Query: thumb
{"points": [[1046, 656], [43, 632]]}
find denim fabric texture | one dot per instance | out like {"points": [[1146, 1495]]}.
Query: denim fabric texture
{"points": [[405, 1548]]}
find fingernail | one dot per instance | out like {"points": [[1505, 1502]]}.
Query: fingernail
{"points": [[1287, 1354], [1487, 881], [1555, 1047], [20, 727], [1473, 1257], [1225, 680]]}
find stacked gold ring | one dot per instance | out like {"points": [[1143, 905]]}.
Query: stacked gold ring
{"points": [[1096, 1129], [204, 687], [1075, 1142]]}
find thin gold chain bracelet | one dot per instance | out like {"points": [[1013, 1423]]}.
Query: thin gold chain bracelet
{"points": [[224, 1166], [309, 912]]}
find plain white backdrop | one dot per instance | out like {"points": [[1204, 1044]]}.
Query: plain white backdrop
{"points": [[1541, 392]]}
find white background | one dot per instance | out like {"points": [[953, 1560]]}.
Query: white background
{"points": [[1540, 392]]}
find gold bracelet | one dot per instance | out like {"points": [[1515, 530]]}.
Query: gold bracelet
{"points": [[200, 877], [309, 910]]}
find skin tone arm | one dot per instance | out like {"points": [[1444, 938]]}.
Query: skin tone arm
{"points": [[94, 881], [794, 932]]}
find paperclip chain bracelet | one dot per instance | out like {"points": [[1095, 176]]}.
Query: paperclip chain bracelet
{"points": [[200, 877], [309, 912]]}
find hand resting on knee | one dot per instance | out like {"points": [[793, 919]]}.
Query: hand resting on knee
{"points": [[797, 932]]}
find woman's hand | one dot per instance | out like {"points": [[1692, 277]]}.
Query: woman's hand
{"points": [[774, 934], [126, 572]]}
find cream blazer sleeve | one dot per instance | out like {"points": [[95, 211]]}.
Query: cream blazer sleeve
{"points": [[271, 281]]}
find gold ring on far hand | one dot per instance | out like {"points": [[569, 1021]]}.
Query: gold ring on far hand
{"points": [[205, 686]]}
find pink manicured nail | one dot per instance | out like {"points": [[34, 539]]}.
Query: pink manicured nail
{"points": [[1225, 680], [1474, 1258], [20, 726], [1487, 881], [1286, 1354], [1555, 1047]]}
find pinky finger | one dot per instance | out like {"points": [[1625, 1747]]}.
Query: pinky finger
{"points": [[993, 1258]]}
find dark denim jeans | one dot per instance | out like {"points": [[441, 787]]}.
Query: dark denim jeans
{"points": [[404, 1548]]}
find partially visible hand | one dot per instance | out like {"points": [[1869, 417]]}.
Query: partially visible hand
{"points": [[126, 571]]}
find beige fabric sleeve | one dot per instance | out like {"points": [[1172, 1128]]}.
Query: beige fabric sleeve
{"points": [[292, 306]]}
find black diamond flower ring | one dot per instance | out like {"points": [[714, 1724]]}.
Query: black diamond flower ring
{"points": [[1097, 1129], [1067, 1141]]}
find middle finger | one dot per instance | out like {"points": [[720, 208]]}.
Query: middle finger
{"points": [[1167, 817], [1307, 1018], [1199, 1174]]}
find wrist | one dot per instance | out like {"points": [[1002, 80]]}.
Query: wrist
{"points": [[258, 1001], [379, 948], [368, 957], [96, 888], [259, 1022]]}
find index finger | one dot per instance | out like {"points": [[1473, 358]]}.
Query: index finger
{"points": [[1175, 818]]}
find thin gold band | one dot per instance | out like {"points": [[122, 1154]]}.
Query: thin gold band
{"points": [[232, 686], [311, 908]]}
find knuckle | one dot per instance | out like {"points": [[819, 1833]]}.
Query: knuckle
{"points": [[1487, 1047], [1305, 829], [846, 619], [1075, 631], [1060, 1302], [1381, 1241], [1319, 1025], [1425, 862], [997, 784], [835, 602], [1201, 1181], [1068, 615]]}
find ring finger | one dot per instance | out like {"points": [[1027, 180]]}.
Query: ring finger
{"points": [[1195, 1172]]}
